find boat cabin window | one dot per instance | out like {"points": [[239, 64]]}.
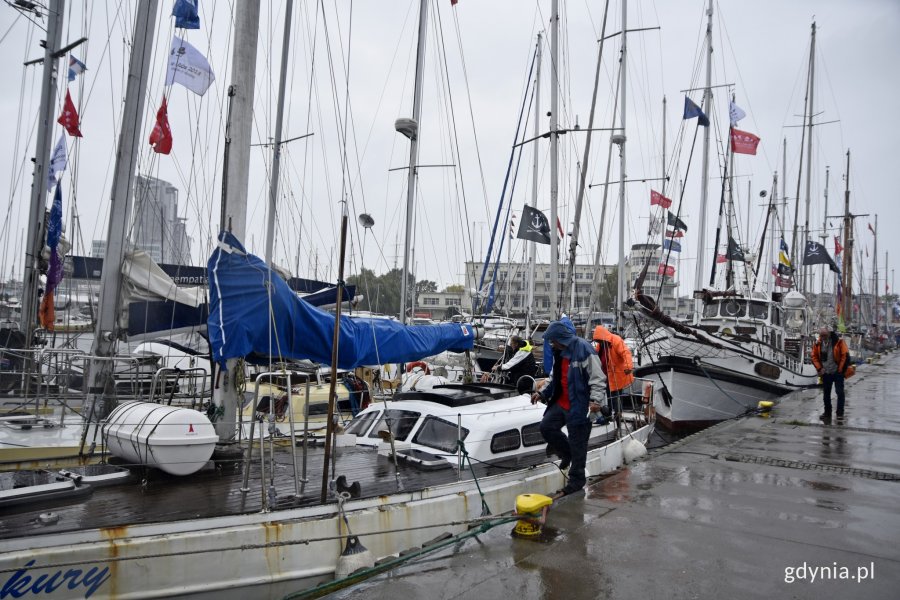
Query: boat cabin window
{"points": [[505, 441], [531, 435], [440, 434], [711, 310], [759, 310], [360, 425], [776, 315], [399, 422], [734, 308]]}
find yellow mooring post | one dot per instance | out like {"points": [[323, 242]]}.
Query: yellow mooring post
{"points": [[532, 512]]}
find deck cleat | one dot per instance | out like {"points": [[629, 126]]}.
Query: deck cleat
{"points": [[532, 512]]}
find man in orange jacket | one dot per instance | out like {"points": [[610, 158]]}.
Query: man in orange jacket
{"points": [[615, 357], [831, 359]]}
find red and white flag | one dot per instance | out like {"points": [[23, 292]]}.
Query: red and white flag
{"points": [[720, 258], [667, 270], [161, 136], [674, 234], [69, 117], [559, 229], [743, 142], [657, 199], [837, 246]]}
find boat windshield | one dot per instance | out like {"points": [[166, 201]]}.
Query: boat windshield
{"points": [[439, 434], [398, 422], [759, 310], [360, 425], [734, 308], [711, 309]]}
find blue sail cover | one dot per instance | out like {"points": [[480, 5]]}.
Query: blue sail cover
{"points": [[239, 322]]}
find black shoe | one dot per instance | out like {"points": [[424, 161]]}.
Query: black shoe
{"points": [[564, 464], [840, 414], [825, 417]]}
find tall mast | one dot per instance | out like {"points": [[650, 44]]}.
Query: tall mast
{"points": [[276, 142], [875, 273], [529, 303], [620, 275], [413, 157], [554, 158], [107, 332], [847, 271], [36, 221], [824, 229], [236, 176], [704, 182], [812, 88]]}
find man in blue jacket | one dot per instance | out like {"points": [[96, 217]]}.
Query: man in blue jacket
{"points": [[575, 382]]}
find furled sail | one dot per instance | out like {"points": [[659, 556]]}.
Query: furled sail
{"points": [[252, 310]]}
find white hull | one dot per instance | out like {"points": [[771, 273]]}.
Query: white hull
{"points": [[275, 552]]}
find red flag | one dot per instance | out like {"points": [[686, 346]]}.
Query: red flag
{"points": [[720, 258], [784, 282], [870, 229], [453, 2], [161, 136], [46, 312], [560, 229], [665, 270], [69, 117], [658, 199], [674, 234], [743, 142], [837, 245]]}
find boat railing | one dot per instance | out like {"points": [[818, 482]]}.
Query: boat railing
{"points": [[183, 387]]}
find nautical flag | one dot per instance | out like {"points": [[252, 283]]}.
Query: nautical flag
{"points": [[69, 117], [657, 199], [512, 227], [720, 258], [671, 245], [675, 222], [76, 68], [534, 226], [559, 230], [186, 15], [58, 161], [667, 270], [784, 282], [816, 254], [188, 67], [161, 136], [674, 234], [736, 113], [55, 270], [870, 229], [734, 251], [655, 225], [837, 245], [743, 142], [691, 110], [783, 254], [774, 269], [785, 270]]}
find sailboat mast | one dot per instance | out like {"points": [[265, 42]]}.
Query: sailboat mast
{"points": [[824, 230], [37, 209], [529, 303], [847, 271], [809, 145], [554, 158], [107, 330], [236, 176], [704, 182], [620, 275], [276, 142], [875, 274], [413, 157]]}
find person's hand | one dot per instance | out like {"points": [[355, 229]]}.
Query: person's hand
{"points": [[535, 398], [820, 372], [495, 367], [628, 371], [594, 407]]}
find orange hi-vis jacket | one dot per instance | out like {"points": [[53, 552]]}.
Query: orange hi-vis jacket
{"points": [[618, 359], [841, 354]]}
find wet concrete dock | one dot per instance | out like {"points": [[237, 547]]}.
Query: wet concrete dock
{"points": [[778, 507]]}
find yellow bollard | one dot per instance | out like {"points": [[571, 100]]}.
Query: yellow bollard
{"points": [[532, 512]]}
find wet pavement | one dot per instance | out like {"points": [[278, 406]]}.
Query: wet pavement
{"points": [[777, 507]]}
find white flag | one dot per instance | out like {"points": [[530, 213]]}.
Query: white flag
{"points": [[188, 67], [736, 113], [58, 162]]}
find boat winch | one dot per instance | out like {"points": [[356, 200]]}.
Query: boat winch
{"points": [[531, 509]]}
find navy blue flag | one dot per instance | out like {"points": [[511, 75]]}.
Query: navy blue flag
{"points": [[734, 251], [534, 226], [186, 14], [675, 222], [672, 245], [691, 110]]}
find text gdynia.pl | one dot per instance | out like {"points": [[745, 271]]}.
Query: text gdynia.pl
{"points": [[833, 572]]}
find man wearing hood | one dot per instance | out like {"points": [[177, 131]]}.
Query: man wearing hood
{"points": [[615, 358], [575, 382]]}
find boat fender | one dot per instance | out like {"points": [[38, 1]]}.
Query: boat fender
{"points": [[418, 364], [632, 450]]}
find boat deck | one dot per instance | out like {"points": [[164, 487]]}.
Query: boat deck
{"points": [[153, 496]]}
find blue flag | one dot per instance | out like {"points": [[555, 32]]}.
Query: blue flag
{"points": [[672, 245], [691, 110], [783, 246], [76, 68], [54, 232], [186, 14]]}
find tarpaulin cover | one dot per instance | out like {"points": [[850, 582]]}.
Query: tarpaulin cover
{"points": [[240, 324]]}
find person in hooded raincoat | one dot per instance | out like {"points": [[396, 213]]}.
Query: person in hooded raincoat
{"points": [[615, 357], [576, 381]]}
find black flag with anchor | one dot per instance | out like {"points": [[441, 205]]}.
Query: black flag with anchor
{"points": [[816, 254], [534, 226]]}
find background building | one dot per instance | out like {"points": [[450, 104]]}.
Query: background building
{"points": [[651, 255], [158, 229]]}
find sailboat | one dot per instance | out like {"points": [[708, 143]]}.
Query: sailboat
{"points": [[742, 347]]}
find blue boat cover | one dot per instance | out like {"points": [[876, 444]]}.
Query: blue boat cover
{"points": [[240, 323]]}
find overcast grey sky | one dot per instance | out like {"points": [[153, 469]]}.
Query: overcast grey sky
{"points": [[478, 54]]}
